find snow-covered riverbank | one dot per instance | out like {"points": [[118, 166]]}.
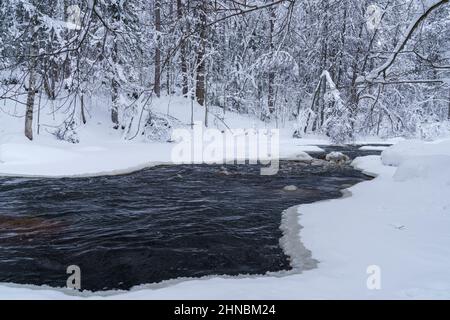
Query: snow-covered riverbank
{"points": [[397, 222], [104, 151], [49, 158]]}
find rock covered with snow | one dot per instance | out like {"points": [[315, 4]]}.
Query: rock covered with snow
{"points": [[337, 157], [302, 156], [290, 188]]}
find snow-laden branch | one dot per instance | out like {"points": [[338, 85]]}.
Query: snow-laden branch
{"points": [[374, 74]]}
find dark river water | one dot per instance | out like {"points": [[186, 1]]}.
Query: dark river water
{"points": [[156, 224]]}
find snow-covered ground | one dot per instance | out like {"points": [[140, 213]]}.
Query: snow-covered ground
{"points": [[396, 224], [103, 151]]}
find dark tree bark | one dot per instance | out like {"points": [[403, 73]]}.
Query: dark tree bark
{"points": [[115, 106], [323, 66], [83, 115], [184, 70], [201, 64], [50, 79], [271, 91], [157, 84], [115, 93], [448, 115]]}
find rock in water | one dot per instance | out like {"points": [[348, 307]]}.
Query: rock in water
{"points": [[337, 157], [224, 171], [318, 162], [290, 188], [303, 156]]}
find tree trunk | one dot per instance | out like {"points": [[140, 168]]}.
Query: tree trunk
{"points": [[341, 55], [354, 95], [83, 116], [201, 65], [206, 102], [66, 67], [448, 115], [115, 104], [323, 66], [51, 70], [170, 71], [271, 93], [157, 85], [185, 87], [49, 80], [115, 92], [31, 83], [30, 102]]}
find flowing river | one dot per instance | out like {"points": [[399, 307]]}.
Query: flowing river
{"points": [[157, 224]]}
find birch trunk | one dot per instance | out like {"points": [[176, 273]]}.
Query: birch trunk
{"points": [[30, 101]]}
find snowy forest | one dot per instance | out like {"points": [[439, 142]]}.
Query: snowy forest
{"points": [[224, 149], [342, 68]]}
